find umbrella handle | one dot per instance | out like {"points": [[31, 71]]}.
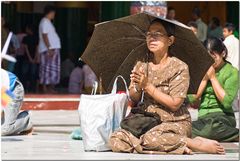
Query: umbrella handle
{"points": [[5, 47], [114, 89]]}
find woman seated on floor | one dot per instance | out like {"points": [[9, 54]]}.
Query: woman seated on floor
{"points": [[165, 89], [14, 122], [217, 91]]}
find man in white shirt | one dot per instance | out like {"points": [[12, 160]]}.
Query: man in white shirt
{"points": [[193, 26], [232, 44], [202, 27], [49, 49]]}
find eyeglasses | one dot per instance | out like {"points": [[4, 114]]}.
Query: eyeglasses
{"points": [[155, 35]]}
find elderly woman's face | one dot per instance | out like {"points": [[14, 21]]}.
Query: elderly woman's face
{"points": [[157, 38]]}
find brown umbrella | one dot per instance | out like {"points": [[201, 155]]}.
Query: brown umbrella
{"points": [[116, 45]]}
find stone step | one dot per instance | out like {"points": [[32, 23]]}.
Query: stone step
{"points": [[50, 102], [54, 129]]}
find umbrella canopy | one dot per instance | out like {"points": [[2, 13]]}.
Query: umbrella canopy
{"points": [[117, 45]]}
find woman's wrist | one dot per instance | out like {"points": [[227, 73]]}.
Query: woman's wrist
{"points": [[135, 88], [149, 88], [213, 78]]}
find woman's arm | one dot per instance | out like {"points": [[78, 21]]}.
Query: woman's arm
{"points": [[227, 92], [28, 54], [37, 56], [173, 103], [218, 89], [46, 41], [194, 97], [135, 94], [135, 91]]}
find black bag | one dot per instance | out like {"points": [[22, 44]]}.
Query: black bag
{"points": [[139, 121]]}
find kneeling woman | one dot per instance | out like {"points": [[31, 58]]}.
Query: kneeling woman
{"points": [[217, 91], [165, 88]]}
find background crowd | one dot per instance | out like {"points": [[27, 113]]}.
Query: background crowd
{"points": [[44, 73]]}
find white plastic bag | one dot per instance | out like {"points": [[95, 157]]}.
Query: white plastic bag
{"points": [[100, 116]]}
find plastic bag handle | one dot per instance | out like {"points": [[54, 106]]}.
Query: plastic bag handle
{"points": [[114, 89], [94, 88]]}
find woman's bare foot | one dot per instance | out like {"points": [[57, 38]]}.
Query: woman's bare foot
{"points": [[187, 151], [237, 139], [205, 145]]}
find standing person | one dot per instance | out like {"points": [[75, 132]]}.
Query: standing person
{"points": [[232, 44], [202, 27], [165, 88], [20, 56], [49, 49], [215, 29], [217, 91], [193, 26], [30, 58], [171, 13]]}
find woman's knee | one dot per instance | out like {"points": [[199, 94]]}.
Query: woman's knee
{"points": [[18, 92], [151, 138], [118, 142]]}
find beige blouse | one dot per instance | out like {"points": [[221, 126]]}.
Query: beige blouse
{"points": [[172, 80]]}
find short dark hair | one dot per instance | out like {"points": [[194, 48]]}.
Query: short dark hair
{"points": [[170, 8], [170, 28], [216, 45], [80, 63], [193, 24], [48, 9], [196, 11], [230, 27], [216, 21]]}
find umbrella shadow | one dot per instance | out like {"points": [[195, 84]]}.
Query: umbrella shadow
{"points": [[10, 139]]}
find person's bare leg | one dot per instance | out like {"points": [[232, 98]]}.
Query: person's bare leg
{"points": [[45, 90], [200, 144], [37, 86], [52, 89]]}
